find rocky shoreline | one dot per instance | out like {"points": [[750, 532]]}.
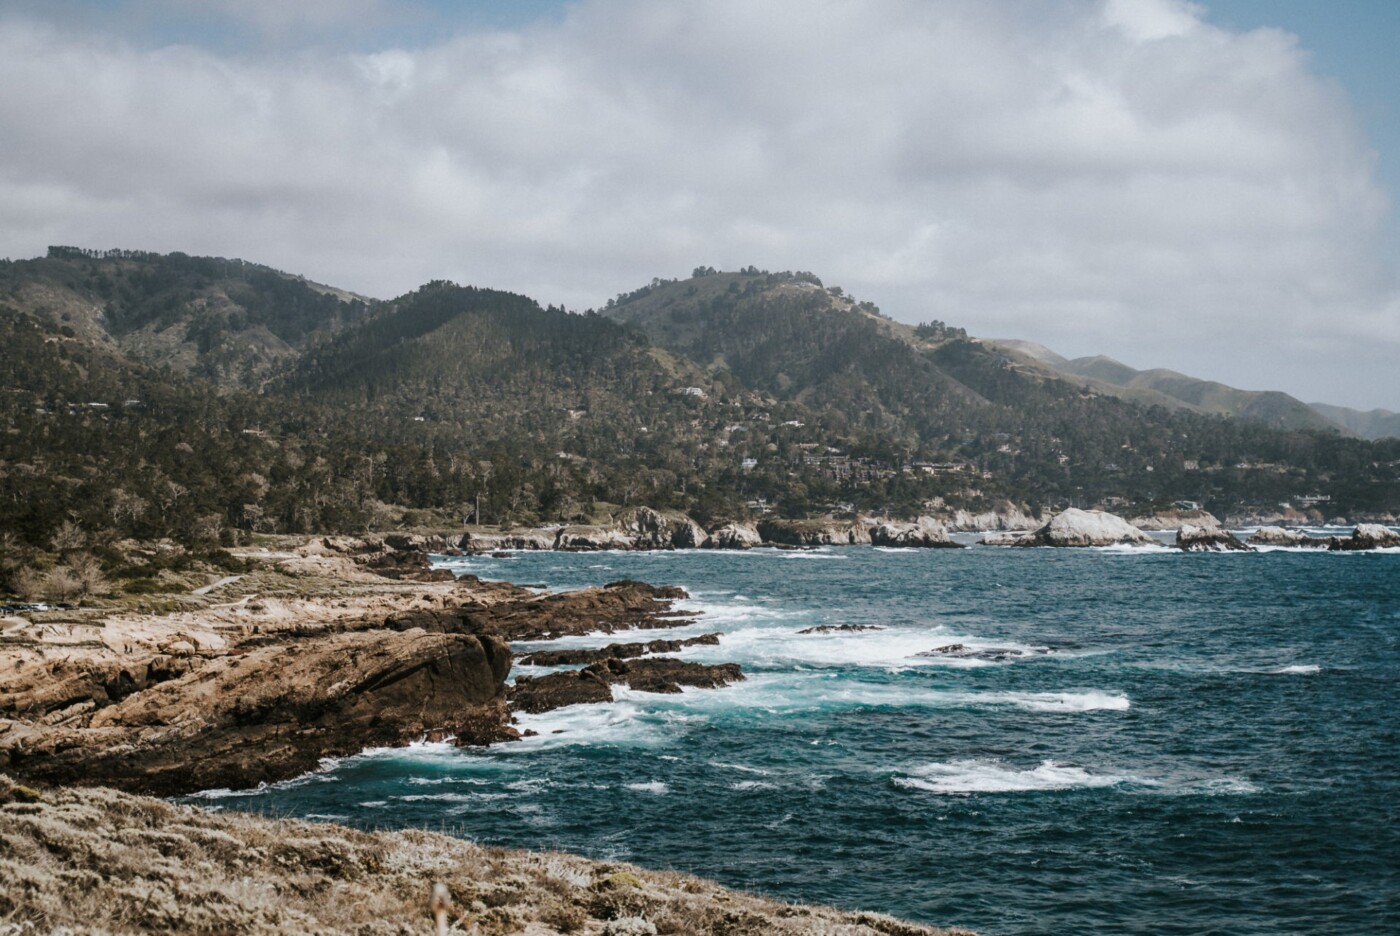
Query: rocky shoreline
{"points": [[95, 860]]}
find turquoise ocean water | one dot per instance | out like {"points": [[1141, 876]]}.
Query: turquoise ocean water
{"points": [[1146, 741]]}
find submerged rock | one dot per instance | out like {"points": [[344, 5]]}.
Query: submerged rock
{"points": [[841, 629], [1208, 539]]}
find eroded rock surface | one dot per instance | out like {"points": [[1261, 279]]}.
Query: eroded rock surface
{"points": [[1075, 527], [273, 712], [594, 682], [1279, 536], [1190, 538], [1366, 536], [622, 651], [924, 533]]}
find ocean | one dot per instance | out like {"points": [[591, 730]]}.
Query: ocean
{"points": [[1130, 740]]}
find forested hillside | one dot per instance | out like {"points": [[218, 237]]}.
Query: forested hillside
{"points": [[201, 399]]}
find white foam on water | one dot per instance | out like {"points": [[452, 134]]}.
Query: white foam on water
{"points": [[326, 817], [753, 785], [655, 786], [1090, 701], [890, 648], [1296, 669], [965, 777]]}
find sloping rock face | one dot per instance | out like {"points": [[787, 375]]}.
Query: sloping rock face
{"points": [[1017, 538], [814, 532], [924, 532], [1366, 536], [275, 712], [1208, 539], [1278, 536], [734, 536], [1075, 527], [594, 682], [624, 605], [651, 529]]}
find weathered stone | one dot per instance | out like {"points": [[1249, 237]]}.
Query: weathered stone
{"points": [[1208, 539]]}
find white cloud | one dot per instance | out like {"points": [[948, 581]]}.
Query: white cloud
{"points": [[1119, 177]]}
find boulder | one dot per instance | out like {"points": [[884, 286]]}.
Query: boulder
{"points": [[734, 536], [1191, 538], [1075, 527], [1278, 536], [1367, 536], [925, 532]]}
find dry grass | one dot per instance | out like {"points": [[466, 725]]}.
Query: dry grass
{"points": [[98, 861]]}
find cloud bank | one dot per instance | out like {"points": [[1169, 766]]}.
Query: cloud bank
{"points": [[1113, 177]]}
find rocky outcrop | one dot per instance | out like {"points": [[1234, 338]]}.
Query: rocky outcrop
{"points": [[814, 532], [840, 629], [594, 682], [621, 651], [1279, 536], [734, 536], [592, 539], [99, 861], [925, 532], [651, 529], [1191, 538], [273, 712], [1011, 538], [1164, 520], [477, 542], [1075, 527], [1366, 536], [624, 605]]}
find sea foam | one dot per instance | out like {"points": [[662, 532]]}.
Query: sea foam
{"points": [[978, 776]]}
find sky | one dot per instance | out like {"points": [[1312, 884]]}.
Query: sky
{"points": [[1210, 187]]}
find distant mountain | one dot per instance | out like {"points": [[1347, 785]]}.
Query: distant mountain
{"points": [[1170, 388], [1372, 424], [202, 399], [227, 321]]}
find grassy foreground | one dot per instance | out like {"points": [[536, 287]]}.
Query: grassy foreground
{"points": [[100, 861]]}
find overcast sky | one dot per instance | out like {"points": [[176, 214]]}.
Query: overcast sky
{"points": [[1172, 184]]}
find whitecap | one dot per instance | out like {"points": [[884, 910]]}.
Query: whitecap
{"points": [[744, 785], [655, 786], [977, 776], [1296, 669]]}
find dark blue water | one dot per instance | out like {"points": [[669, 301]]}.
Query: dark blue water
{"points": [[1166, 743]]}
